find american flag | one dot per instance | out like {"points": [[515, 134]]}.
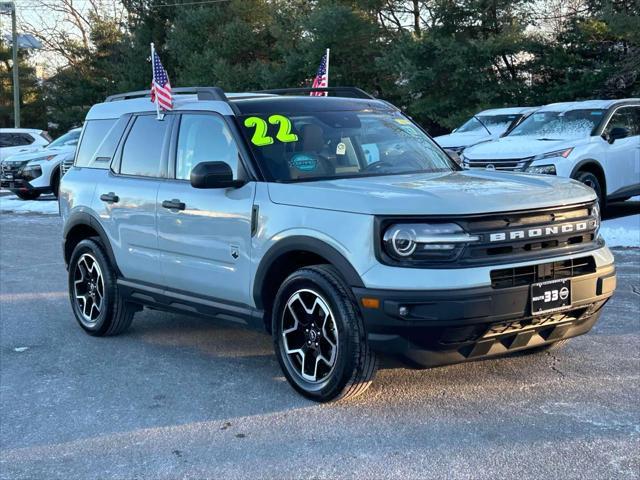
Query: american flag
{"points": [[160, 86], [322, 77]]}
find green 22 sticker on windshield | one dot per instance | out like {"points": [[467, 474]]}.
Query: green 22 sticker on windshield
{"points": [[260, 137]]}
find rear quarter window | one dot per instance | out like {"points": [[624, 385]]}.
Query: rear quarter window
{"points": [[99, 141]]}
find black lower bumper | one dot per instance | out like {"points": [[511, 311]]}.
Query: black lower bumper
{"points": [[430, 328], [21, 185]]}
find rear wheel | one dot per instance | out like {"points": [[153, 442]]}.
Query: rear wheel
{"points": [[319, 336], [98, 306], [27, 195], [591, 180]]}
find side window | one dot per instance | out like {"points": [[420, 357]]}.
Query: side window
{"points": [[204, 138], [6, 140], [635, 120], [24, 139], [626, 117], [15, 139], [142, 151], [93, 134]]}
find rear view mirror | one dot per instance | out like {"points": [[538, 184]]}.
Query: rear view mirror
{"points": [[213, 175], [617, 133]]}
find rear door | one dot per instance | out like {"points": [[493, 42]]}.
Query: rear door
{"points": [[205, 242], [126, 197], [622, 163]]}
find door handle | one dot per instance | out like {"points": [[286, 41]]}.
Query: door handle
{"points": [[109, 197], [174, 204]]}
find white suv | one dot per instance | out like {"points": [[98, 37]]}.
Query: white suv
{"points": [[596, 142], [483, 127], [17, 140], [33, 173]]}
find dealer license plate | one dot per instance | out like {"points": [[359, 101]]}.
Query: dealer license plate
{"points": [[550, 296]]}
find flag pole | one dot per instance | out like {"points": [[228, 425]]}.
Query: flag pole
{"points": [[153, 81], [327, 93]]}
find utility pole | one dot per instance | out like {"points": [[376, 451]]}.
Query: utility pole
{"points": [[16, 82], [6, 7]]}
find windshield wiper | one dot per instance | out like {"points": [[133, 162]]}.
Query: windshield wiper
{"points": [[549, 139], [481, 123]]}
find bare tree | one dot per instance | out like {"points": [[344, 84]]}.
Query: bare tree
{"points": [[64, 26]]}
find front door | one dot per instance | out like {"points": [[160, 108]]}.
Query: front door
{"points": [[204, 236], [622, 165]]}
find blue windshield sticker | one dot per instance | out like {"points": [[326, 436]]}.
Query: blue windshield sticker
{"points": [[303, 162]]}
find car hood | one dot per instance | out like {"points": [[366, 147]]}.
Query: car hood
{"points": [[466, 139], [449, 193], [517, 147], [38, 153]]}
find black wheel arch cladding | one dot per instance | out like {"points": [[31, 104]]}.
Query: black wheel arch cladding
{"points": [[302, 244]]}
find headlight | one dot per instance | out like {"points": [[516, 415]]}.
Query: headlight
{"points": [[564, 153], [542, 169], [595, 212], [30, 172], [423, 241]]}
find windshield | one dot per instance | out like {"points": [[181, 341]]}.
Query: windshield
{"points": [[69, 138], [496, 124], [321, 145], [560, 125]]}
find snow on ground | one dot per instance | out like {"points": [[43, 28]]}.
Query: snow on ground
{"points": [[623, 231], [47, 205]]}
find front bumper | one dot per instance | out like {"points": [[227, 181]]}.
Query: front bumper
{"points": [[437, 327], [17, 182]]}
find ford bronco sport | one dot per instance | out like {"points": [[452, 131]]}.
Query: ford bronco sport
{"points": [[335, 223]]}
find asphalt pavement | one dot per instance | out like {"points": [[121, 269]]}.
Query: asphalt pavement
{"points": [[181, 397]]}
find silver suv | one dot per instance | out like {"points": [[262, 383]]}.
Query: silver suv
{"points": [[335, 223]]}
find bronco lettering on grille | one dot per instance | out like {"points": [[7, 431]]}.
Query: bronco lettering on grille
{"points": [[541, 232]]}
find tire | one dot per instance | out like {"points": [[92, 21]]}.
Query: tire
{"points": [[108, 313], [28, 195], [590, 180], [347, 366], [55, 183]]}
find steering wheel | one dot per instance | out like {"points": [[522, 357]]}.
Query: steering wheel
{"points": [[377, 165]]}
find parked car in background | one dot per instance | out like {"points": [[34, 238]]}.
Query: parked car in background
{"points": [[483, 127], [596, 142], [30, 174], [15, 140]]}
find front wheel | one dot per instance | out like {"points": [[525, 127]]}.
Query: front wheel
{"points": [[590, 180], [319, 336], [97, 304]]}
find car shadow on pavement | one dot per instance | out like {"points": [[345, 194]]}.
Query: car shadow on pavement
{"points": [[621, 209]]}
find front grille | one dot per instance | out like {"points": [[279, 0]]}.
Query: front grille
{"points": [[8, 167], [66, 165], [518, 276], [508, 164], [532, 235]]}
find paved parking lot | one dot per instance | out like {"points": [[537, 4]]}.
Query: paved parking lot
{"points": [[179, 397]]}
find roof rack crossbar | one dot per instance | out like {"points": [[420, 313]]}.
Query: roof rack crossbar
{"points": [[353, 92], [204, 93]]}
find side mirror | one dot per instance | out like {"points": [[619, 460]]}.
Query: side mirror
{"points": [[617, 133], [214, 175], [453, 156]]}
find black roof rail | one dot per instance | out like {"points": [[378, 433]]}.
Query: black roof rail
{"points": [[204, 93], [351, 92]]}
